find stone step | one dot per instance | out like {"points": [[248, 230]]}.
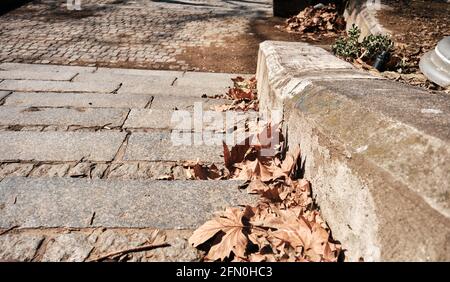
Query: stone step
{"points": [[85, 117], [154, 88], [44, 68], [206, 79], [58, 86], [84, 100], [94, 100], [59, 146], [186, 103], [81, 203], [32, 75], [138, 72], [138, 170], [184, 120], [102, 146], [149, 118], [69, 245], [124, 78], [158, 146]]}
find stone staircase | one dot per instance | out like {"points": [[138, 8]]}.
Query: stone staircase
{"points": [[87, 165]]}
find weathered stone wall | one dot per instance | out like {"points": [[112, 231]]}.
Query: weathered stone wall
{"points": [[377, 152]]}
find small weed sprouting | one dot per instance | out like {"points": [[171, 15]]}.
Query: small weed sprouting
{"points": [[350, 48], [372, 45]]}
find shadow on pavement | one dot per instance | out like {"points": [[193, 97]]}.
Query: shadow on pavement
{"points": [[8, 5]]}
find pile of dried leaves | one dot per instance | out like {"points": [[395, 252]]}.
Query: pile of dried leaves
{"points": [[285, 225], [316, 19], [243, 94]]}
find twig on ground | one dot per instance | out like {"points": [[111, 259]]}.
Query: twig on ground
{"points": [[131, 250]]}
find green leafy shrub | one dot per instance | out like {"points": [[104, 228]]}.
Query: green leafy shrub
{"points": [[350, 48], [372, 45]]}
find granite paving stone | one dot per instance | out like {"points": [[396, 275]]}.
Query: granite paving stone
{"points": [[62, 116], [60, 146], [116, 239], [149, 118], [126, 79], [164, 146], [19, 247], [139, 72], [76, 202], [184, 120], [33, 75], [70, 247], [15, 169], [162, 90], [84, 100], [186, 103], [57, 86], [50, 170], [44, 68], [207, 79]]}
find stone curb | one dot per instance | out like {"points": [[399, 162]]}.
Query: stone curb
{"points": [[364, 16], [377, 152]]}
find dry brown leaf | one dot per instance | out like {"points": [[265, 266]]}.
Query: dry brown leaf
{"points": [[289, 229], [244, 94], [257, 186], [289, 163], [221, 108], [233, 240], [319, 240], [196, 170]]}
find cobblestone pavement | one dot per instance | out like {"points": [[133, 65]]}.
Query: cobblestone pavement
{"points": [[85, 158], [122, 33]]}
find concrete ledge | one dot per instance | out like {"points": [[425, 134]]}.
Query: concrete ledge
{"points": [[377, 152], [284, 68]]}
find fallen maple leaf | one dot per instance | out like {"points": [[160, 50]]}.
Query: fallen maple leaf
{"points": [[289, 229], [289, 163], [197, 170], [233, 240]]}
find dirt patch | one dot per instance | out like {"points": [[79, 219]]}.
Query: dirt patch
{"points": [[420, 23], [240, 54], [416, 26]]}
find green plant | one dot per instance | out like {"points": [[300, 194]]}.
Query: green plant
{"points": [[372, 45], [350, 47]]}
